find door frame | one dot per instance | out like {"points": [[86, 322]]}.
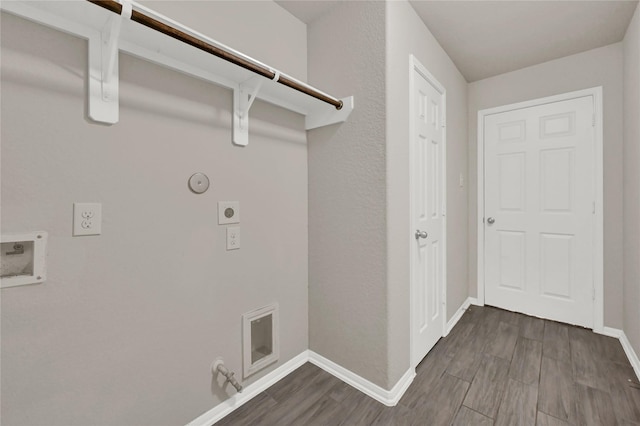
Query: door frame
{"points": [[416, 66], [598, 223]]}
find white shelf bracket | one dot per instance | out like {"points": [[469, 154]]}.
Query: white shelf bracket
{"points": [[243, 97], [103, 69], [108, 34]]}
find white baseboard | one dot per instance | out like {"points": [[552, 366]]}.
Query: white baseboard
{"points": [[387, 397], [252, 390], [609, 331], [456, 317], [461, 310], [626, 345], [631, 354]]}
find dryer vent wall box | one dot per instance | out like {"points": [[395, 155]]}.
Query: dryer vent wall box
{"points": [[22, 259], [259, 339]]}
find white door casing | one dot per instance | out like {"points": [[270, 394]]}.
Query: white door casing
{"points": [[542, 189], [428, 201]]}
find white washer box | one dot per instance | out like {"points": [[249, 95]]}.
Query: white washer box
{"points": [[22, 259]]}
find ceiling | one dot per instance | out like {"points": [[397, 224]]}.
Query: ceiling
{"points": [[487, 38], [308, 10]]}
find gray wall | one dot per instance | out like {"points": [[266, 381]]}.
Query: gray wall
{"points": [[598, 67], [632, 182], [258, 28], [127, 324], [359, 186], [348, 320], [407, 34]]}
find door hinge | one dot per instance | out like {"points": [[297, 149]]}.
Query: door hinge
{"points": [[593, 211]]}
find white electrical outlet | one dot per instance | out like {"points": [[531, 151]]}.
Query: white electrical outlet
{"points": [[87, 219], [233, 238]]}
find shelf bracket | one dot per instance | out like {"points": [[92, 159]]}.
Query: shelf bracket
{"points": [[103, 66], [243, 97]]}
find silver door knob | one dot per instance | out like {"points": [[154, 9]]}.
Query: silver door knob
{"points": [[421, 234], [491, 221]]}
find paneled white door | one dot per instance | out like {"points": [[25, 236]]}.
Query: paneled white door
{"points": [[428, 200], [539, 210]]}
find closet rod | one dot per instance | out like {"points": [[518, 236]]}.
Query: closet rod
{"points": [[177, 34]]}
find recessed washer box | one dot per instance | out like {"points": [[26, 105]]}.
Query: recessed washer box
{"points": [[22, 259]]}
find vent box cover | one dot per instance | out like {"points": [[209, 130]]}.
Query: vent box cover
{"points": [[259, 338]]}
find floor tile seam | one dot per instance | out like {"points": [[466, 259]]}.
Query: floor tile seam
{"points": [[551, 415], [535, 384], [495, 356], [572, 364], [474, 410], [589, 388], [531, 338], [539, 380], [594, 388], [521, 381], [502, 390], [461, 378], [463, 399]]}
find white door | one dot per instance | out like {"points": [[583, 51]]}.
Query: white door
{"points": [[539, 210], [428, 201]]}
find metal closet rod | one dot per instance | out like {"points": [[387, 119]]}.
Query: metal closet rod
{"points": [[175, 33]]}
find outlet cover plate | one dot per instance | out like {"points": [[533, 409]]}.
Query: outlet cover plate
{"points": [[233, 238], [87, 219]]}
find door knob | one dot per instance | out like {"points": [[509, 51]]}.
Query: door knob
{"points": [[421, 234], [491, 221]]}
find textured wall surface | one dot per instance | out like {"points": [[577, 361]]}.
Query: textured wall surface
{"points": [[598, 67], [406, 34], [347, 193], [632, 182], [127, 324]]}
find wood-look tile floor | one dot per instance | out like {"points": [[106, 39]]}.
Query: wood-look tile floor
{"points": [[495, 368]]}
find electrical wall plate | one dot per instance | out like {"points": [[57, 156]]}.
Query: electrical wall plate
{"points": [[87, 219], [233, 237], [22, 259], [228, 212]]}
